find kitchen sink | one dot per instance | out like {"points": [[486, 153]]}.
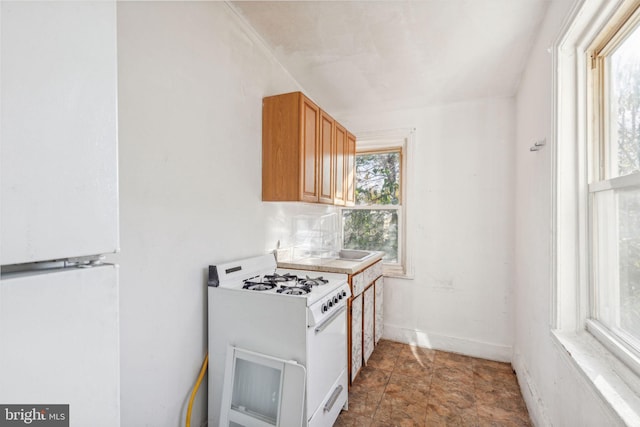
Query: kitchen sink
{"points": [[354, 255]]}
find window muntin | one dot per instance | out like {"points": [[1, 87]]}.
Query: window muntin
{"points": [[375, 222], [615, 187]]}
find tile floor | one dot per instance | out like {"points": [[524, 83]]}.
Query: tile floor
{"points": [[412, 386]]}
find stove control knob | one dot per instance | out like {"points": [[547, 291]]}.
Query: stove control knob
{"points": [[344, 293], [335, 300], [339, 296], [330, 303], [324, 308]]}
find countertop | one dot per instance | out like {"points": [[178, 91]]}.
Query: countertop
{"points": [[330, 265]]}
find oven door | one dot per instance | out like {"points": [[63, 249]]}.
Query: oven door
{"points": [[261, 391], [326, 363]]}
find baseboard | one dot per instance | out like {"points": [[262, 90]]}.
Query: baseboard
{"points": [[484, 350], [530, 394]]}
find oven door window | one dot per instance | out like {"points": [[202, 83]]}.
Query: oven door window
{"points": [[261, 391]]}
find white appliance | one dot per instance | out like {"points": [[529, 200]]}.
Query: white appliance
{"points": [[266, 327], [59, 341]]}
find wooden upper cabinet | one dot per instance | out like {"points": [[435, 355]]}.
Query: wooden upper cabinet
{"points": [[327, 156], [350, 170], [340, 161], [309, 135], [306, 155], [290, 148]]}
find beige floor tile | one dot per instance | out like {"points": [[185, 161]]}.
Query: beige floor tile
{"points": [[404, 385], [364, 400], [453, 360], [396, 411], [410, 389], [444, 415], [385, 360], [371, 377], [350, 419], [389, 346], [495, 416], [423, 355]]}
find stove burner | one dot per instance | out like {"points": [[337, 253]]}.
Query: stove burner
{"points": [[268, 281], [299, 285], [312, 281], [294, 290], [258, 286], [278, 278]]}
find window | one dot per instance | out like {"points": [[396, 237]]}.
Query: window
{"points": [[614, 185], [596, 188], [373, 225], [377, 220]]}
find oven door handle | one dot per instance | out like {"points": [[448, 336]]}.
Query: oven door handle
{"points": [[325, 324], [333, 398]]}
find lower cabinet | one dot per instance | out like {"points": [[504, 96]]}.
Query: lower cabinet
{"points": [[367, 333], [355, 337], [365, 308], [379, 313]]}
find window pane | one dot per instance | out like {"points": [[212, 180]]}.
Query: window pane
{"points": [[629, 250], [618, 261], [378, 179], [372, 229], [624, 106]]}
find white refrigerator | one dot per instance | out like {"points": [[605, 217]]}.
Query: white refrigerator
{"points": [[59, 330]]}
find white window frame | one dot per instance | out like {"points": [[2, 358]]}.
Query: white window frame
{"points": [[612, 373], [600, 179], [392, 140]]}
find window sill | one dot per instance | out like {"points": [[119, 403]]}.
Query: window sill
{"points": [[614, 382], [395, 271]]}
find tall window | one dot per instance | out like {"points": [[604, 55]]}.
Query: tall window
{"points": [[374, 223], [614, 187], [378, 220]]}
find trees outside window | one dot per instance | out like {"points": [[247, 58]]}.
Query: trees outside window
{"points": [[624, 104]]}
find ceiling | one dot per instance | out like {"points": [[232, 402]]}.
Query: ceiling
{"points": [[389, 55]]}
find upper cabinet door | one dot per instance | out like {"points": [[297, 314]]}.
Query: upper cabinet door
{"points": [[310, 146], [290, 148], [59, 187], [327, 133], [340, 165], [350, 170]]}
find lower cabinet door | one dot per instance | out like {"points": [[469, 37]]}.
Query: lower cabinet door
{"points": [[356, 336], [379, 309], [367, 339]]}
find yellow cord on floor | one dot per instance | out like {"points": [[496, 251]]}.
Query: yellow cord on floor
{"points": [[203, 369]]}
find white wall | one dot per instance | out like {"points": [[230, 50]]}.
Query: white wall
{"points": [[555, 392], [191, 81], [460, 227]]}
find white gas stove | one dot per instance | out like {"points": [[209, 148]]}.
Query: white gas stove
{"points": [[292, 320]]}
